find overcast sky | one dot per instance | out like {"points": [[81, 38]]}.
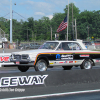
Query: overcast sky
{"points": [[39, 8]]}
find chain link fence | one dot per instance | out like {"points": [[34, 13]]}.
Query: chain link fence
{"points": [[22, 45], [35, 44]]}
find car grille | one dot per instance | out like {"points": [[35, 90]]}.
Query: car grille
{"points": [[21, 56]]}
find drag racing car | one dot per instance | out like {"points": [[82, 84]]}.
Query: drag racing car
{"points": [[56, 53]]}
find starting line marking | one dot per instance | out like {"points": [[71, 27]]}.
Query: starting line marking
{"points": [[55, 94]]}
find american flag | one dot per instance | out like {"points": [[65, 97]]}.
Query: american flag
{"points": [[63, 25]]}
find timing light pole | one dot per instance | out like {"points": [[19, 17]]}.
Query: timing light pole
{"points": [[10, 21]]}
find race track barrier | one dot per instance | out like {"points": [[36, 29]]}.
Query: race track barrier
{"points": [[49, 78], [40, 84]]}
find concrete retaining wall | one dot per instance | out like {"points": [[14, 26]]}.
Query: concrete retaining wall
{"points": [[49, 78]]}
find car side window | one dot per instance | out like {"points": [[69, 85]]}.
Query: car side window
{"points": [[63, 46], [69, 46], [74, 46]]}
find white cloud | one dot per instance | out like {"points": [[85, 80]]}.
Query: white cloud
{"points": [[50, 16], [38, 9], [60, 3], [39, 13], [27, 2], [38, 6]]}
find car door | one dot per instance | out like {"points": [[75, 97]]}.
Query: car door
{"points": [[67, 54]]}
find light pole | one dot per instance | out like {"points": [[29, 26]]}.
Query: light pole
{"points": [[10, 21]]}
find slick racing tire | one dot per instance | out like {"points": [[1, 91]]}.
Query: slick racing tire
{"points": [[23, 68], [87, 64], [41, 65], [67, 67]]}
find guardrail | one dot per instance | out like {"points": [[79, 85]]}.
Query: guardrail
{"points": [[48, 78], [38, 84]]}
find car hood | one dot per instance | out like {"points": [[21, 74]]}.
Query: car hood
{"points": [[36, 51], [33, 51]]}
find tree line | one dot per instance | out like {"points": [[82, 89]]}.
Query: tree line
{"points": [[88, 26]]}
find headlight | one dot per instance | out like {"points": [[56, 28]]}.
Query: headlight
{"points": [[11, 57], [28, 57]]}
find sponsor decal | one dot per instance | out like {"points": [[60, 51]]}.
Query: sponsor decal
{"points": [[75, 61], [51, 63], [66, 56], [97, 60], [66, 62], [61, 62], [22, 80], [4, 59], [70, 61], [58, 56], [84, 55]]}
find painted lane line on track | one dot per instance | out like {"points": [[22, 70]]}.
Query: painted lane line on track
{"points": [[49, 95]]}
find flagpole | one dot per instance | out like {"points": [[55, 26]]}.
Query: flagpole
{"points": [[67, 20], [10, 21]]}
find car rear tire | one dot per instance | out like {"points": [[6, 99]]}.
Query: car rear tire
{"points": [[67, 67], [23, 68], [41, 65], [87, 64]]}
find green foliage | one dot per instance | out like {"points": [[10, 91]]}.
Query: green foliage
{"points": [[88, 26]]}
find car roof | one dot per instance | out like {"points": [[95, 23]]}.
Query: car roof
{"points": [[82, 45], [62, 41]]}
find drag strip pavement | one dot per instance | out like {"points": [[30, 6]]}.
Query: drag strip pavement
{"points": [[50, 83]]}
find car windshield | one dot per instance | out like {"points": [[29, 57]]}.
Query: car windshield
{"points": [[49, 45]]}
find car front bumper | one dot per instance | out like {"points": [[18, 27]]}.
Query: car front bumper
{"points": [[21, 62]]}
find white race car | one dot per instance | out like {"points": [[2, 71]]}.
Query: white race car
{"points": [[56, 53]]}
